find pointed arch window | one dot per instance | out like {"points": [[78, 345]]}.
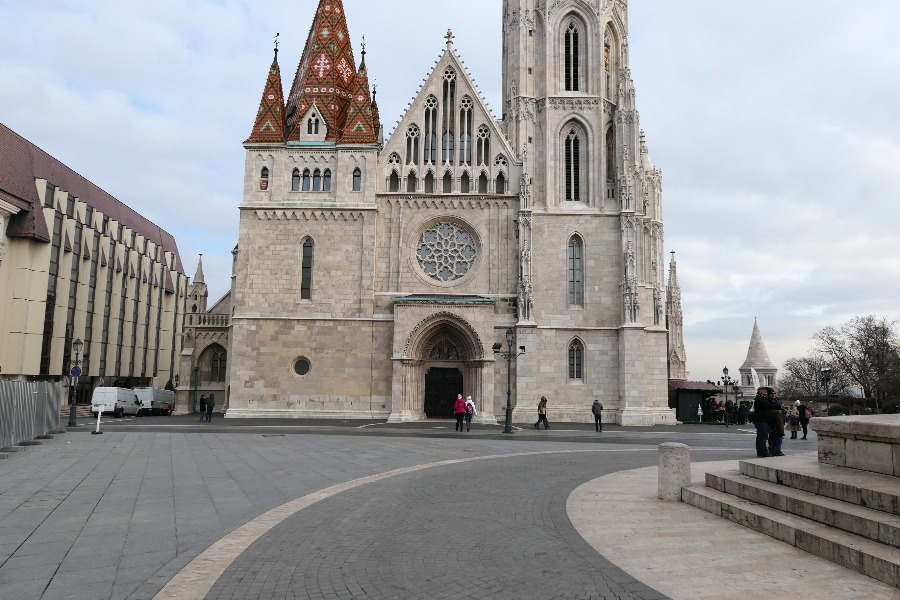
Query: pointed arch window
{"points": [[465, 184], [573, 166], [429, 183], [306, 270], [483, 183], [572, 58], [412, 183], [264, 178], [449, 124], [218, 361], [312, 126], [484, 146], [306, 180], [394, 182], [611, 162], [431, 106], [576, 358], [295, 180], [326, 180], [448, 183], [357, 179], [576, 272], [317, 181], [500, 187], [412, 145], [465, 131]]}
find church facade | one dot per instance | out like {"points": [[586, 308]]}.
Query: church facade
{"points": [[378, 278]]}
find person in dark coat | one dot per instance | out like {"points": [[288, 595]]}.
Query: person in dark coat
{"points": [[542, 414], [804, 417], [597, 409], [762, 418], [202, 407], [210, 405]]}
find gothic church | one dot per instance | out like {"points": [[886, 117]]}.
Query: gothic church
{"points": [[375, 278]]}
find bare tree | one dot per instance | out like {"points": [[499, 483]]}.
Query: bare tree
{"points": [[803, 377], [866, 349]]}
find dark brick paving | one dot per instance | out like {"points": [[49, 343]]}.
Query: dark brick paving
{"points": [[487, 529]]}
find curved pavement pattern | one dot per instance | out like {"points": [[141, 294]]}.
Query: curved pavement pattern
{"points": [[502, 532], [507, 534]]}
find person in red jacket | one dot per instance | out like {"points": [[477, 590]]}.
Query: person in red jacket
{"points": [[459, 410]]}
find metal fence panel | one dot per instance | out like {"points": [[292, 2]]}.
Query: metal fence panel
{"points": [[28, 409]]}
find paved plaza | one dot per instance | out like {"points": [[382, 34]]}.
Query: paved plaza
{"points": [[169, 508]]}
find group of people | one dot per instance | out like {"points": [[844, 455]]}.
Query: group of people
{"points": [[464, 410], [206, 407], [771, 416]]}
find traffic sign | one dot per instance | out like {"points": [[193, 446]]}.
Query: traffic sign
{"points": [[76, 371]]}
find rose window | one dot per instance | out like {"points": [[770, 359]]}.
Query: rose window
{"points": [[446, 252]]}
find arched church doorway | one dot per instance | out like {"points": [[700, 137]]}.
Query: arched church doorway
{"points": [[441, 387]]}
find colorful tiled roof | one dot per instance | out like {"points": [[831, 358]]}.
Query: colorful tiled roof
{"points": [[269, 126], [327, 78]]}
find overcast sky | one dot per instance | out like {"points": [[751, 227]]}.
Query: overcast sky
{"points": [[774, 123]]}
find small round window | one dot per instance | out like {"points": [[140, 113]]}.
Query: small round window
{"points": [[301, 366]]}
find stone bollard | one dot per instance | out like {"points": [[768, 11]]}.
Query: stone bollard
{"points": [[674, 470]]}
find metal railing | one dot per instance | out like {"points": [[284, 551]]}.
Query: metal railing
{"points": [[28, 409]]}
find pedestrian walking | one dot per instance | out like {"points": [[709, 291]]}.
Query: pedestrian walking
{"points": [[762, 414], [459, 410], [202, 407], [794, 420], [210, 405], [729, 412], [542, 414], [471, 411], [597, 409], [805, 415]]}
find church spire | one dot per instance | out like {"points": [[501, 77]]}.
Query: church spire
{"points": [[675, 325], [269, 125], [327, 78], [198, 276]]}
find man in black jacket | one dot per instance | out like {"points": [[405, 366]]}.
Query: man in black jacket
{"points": [[763, 405]]}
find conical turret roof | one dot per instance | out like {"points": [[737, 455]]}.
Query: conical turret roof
{"points": [[198, 276], [757, 357], [269, 125], [327, 79]]}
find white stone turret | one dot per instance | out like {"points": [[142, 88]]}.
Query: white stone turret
{"points": [[758, 359]]}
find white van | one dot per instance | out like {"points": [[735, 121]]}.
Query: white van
{"points": [[118, 401], [160, 402]]}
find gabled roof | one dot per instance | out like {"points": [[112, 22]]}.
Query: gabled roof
{"points": [[327, 78], [465, 86], [21, 163], [269, 125]]}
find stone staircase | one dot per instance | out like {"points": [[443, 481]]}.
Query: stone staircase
{"points": [[848, 516], [82, 411]]}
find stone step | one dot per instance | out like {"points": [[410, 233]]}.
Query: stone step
{"points": [[872, 524], [849, 550], [804, 472], [82, 411]]}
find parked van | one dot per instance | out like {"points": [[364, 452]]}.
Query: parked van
{"points": [[156, 401], [118, 401]]}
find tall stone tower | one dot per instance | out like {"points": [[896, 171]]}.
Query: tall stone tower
{"points": [[675, 325], [758, 360], [198, 294], [591, 202]]}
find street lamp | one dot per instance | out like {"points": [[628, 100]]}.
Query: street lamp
{"points": [[508, 355], [726, 382], [826, 379], [77, 345]]}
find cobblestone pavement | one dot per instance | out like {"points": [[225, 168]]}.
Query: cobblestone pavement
{"points": [[118, 515]]}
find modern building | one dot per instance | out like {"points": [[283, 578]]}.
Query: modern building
{"points": [[373, 278], [78, 264]]}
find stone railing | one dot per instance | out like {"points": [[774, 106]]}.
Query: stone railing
{"points": [[869, 443], [196, 320]]}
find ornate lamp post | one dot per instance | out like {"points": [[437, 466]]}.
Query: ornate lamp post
{"points": [[726, 383], [826, 379], [77, 345], [508, 355]]}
